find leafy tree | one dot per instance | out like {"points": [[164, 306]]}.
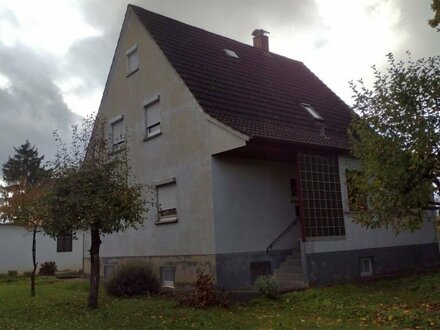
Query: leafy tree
{"points": [[435, 21], [93, 190], [22, 203], [396, 138]]}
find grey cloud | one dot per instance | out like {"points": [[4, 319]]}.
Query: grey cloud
{"points": [[32, 106], [422, 40]]}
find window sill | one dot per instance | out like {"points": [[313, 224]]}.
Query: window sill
{"points": [[152, 136], [165, 221], [325, 238], [132, 73]]}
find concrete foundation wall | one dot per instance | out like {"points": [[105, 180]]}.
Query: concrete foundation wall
{"points": [[16, 250], [252, 204], [186, 267], [234, 269], [342, 266]]}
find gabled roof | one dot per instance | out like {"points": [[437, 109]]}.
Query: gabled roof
{"points": [[259, 94]]}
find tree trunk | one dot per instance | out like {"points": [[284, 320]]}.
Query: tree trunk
{"points": [[34, 257], [94, 268]]}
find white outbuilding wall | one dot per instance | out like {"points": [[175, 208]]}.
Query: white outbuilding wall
{"points": [[16, 250]]}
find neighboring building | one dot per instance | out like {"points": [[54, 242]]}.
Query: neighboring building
{"points": [[16, 250], [248, 154]]}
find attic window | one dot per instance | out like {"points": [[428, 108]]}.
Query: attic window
{"points": [[132, 60], [312, 112], [231, 53]]}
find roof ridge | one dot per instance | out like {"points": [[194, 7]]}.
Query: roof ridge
{"points": [[137, 8]]}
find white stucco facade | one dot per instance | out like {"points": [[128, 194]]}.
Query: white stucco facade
{"points": [[182, 152], [253, 205], [16, 250]]}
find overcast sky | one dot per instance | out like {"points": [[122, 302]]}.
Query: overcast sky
{"points": [[55, 54]]}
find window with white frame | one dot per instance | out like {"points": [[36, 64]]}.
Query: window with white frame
{"points": [[167, 202], [117, 130], [132, 59], [152, 118]]}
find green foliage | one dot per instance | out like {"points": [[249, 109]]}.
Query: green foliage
{"points": [[203, 295], [267, 286], [93, 190], [93, 186], [23, 201], [12, 273], [133, 279], [435, 21], [396, 138], [25, 167], [48, 268]]}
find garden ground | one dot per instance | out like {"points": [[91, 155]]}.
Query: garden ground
{"points": [[412, 301]]}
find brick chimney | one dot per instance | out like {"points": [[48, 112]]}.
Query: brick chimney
{"points": [[261, 40]]}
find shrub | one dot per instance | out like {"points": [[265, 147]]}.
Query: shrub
{"points": [[204, 294], [48, 268], [12, 273], [133, 278], [27, 274], [267, 286]]}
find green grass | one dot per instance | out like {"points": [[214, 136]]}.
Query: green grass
{"points": [[407, 302]]}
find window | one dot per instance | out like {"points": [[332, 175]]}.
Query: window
{"points": [[312, 112], [357, 200], [117, 130], [152, 118], [64, 243], [167, 276], [167, 203], [132, 60], [321, 195], [231, 53], [366, 266]]}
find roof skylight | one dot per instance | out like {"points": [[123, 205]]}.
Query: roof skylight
{"points": [[312, 112], [231, 53]]}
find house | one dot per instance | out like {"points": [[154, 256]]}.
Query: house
{"points": [[16, 249], [247, 153]]}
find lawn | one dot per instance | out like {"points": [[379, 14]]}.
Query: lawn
{"points": [[407, 302]]}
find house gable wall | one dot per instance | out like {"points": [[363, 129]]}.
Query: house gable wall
{"points": [[182, 151]]}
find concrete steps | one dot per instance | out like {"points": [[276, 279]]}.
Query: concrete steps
{"points": [[290, 274]]}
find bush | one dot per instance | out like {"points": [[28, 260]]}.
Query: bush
{"points": [[133, 278], [204, 294], [267, 286], [12, 273], [48, 268]]}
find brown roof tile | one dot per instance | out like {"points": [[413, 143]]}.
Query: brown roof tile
{"points": [[258, 94]]}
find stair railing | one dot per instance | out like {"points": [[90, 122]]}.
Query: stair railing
{"points": [[270, 246]]}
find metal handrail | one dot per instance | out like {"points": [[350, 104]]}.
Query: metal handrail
{"points": [[270, 246]]}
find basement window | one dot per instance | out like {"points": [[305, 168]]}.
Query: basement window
{"points": [[312, 112], [167, 274], [231, 53], [366, 266]]}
